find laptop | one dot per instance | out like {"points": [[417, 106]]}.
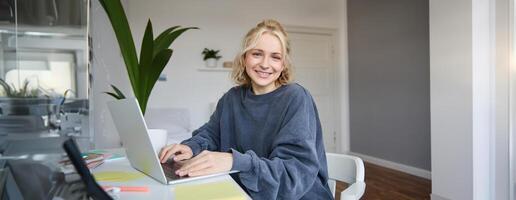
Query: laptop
{"points": [[132, 129]]}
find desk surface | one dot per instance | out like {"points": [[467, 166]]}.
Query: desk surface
{"points": [[157, 190]]}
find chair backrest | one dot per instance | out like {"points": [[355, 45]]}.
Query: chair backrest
{"points": [[344, 168]]}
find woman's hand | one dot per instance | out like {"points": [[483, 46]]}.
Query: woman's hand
{"points": [[207, 162], [177, 151]]}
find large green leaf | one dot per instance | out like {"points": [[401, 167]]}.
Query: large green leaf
{"points": [[118, 20], [167, 39], [162, 35], [146, 58], [158, 64]]}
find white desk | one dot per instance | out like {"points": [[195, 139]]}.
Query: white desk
{"points": [[157, 190]]}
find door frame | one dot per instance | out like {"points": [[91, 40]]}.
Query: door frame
{"points": [[337, 100]]}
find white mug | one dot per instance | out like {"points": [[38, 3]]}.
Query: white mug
{"points": [[158, 138]]}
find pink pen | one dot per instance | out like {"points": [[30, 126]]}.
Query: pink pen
{"points": [[126, 188]]}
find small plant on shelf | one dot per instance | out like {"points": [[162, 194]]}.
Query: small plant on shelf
{"points": [[211, 57]]}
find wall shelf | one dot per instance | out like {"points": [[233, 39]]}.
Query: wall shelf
{"points": [[215, 69]]}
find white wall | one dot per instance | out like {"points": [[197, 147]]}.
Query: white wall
{"points": [[222, 26], [500, 151], [343, 80], [107, 68], [469, 90], [451, 98]]}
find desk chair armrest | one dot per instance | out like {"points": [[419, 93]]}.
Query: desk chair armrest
{"points": [[353, 192], [360, 169]]}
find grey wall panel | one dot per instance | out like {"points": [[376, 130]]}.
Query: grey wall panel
{"points": [[389, 80]]}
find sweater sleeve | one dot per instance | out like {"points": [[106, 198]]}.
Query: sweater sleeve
{"points": [[207, 137], [292, 167]]}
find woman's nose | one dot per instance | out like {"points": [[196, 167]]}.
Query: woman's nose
{"points": [[264, 64]]}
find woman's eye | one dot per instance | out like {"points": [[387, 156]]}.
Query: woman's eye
{"points": [[256, 54], [276, 58]]}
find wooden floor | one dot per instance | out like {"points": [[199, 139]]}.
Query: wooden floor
{"points": [[384, 184]]}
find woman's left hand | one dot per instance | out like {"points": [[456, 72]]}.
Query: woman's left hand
{"points": [[207, 162]]}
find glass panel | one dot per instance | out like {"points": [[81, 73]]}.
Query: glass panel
{"points": [[512, 112], [43, 94], [44, 69]]}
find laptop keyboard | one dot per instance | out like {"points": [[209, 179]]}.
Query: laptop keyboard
{"points": [[169, 170]]}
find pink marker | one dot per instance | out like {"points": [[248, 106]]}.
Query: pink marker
{"points": [[126, 188]]}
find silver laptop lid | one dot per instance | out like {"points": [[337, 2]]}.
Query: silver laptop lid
{"points": [[132, 130]]}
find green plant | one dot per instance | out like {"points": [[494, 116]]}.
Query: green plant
{"points": [[22, 92], [210, 53], [154, 54]]}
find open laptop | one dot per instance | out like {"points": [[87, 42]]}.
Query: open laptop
{"points": [[132, 129]]}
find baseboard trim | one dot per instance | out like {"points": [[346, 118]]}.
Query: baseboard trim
{"points": [[437, 197], [396, 166]]}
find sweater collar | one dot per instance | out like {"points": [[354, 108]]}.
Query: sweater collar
{"points": [[263, 97]]}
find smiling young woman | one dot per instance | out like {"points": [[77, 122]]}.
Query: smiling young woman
{"points": [[265, 50], [266, 127]]}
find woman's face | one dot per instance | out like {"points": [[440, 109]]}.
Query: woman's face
{"points": [[264, 64]]}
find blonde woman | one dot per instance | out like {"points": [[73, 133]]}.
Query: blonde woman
{"points": [[266, 127]]}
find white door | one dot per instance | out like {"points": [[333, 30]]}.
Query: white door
{"points": [[315, 69]]}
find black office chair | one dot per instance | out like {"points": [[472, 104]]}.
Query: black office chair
{"points": [[93, 188]]}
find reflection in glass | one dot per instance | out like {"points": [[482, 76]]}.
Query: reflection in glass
{"points": [[51, 74], [43, 94], [44, 68]]}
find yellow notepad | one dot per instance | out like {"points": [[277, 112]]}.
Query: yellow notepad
{"points": [[209, 191], [117, 176]]}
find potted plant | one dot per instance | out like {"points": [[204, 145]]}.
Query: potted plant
{"points": [[211, 57], [154, 54], [23, 92], [18, 101]]}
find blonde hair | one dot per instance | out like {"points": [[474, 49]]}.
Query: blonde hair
{"points": [[273, 27]]}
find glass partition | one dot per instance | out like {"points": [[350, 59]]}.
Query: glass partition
{"points": [[512, 106], [44, 69]]}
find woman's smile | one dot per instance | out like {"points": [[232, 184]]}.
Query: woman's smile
{"points": [[263, 74], [264, 64]]}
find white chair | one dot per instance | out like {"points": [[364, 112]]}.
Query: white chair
{"points": [[348, 169]]}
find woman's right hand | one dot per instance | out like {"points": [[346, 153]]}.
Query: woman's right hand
{"points": [[177, 151]]}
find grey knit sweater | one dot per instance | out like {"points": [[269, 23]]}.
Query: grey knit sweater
{"points": [[276, 142]]}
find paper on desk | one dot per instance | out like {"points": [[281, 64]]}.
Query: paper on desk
{"points": [[117, 176], [108, 156], [210, 191]]}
